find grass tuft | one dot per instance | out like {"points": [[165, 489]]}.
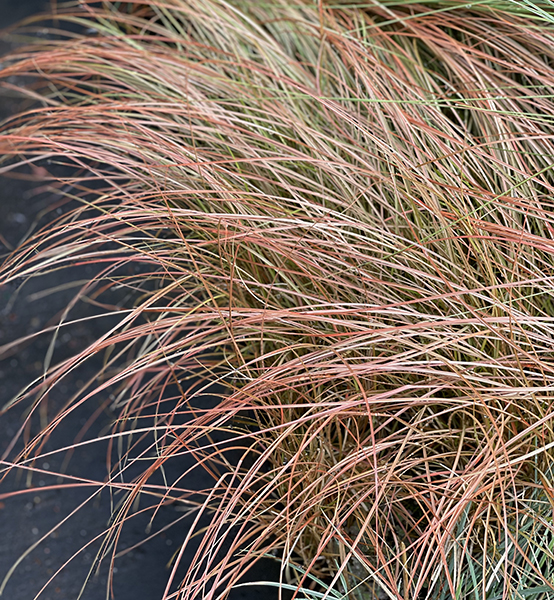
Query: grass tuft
{"points": [[342, 213]]}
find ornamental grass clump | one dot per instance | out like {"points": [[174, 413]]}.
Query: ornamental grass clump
{"points": [[342, 213]]}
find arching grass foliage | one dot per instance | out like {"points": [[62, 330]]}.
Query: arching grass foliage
{"points": [[342, 211]]}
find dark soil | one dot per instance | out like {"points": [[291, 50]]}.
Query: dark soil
{"points": [[46, 516]]}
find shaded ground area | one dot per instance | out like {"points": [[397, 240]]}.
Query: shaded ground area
{"points": [[30, 518]]}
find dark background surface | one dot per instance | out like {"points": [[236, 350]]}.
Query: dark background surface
{"points": [[142, 573]]}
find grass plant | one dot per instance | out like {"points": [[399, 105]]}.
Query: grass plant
{"points": [[341, 212]]}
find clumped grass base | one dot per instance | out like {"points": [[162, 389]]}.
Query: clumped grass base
{"points": [[343, 213]]}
